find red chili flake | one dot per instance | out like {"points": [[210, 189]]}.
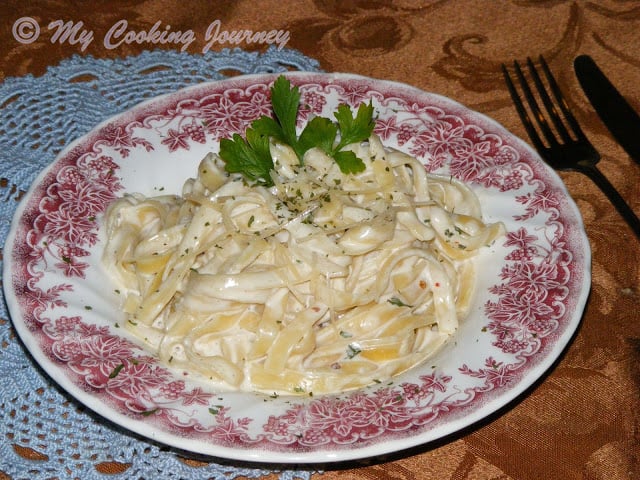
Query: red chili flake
{"points": [[422, 284]]}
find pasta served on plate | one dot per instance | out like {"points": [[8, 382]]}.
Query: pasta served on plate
{"points": [[318, 283]]}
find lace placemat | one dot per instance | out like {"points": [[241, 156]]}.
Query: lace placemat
{"points": [[44, 433]]}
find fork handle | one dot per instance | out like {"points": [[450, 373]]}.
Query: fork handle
{"points": [[616, 199]]}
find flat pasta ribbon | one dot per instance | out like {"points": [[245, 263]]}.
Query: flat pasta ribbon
{"points": [[323, 282]]}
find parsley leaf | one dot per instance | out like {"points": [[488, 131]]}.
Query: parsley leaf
{"points": [[320, 132], [285, 101], [348, 162], [269, 127], [251, 156], [356, 129]]}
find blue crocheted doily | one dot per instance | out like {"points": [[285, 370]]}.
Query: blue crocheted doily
{"points": [[40, 115]]}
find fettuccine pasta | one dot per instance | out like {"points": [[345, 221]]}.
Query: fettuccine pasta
{"points": [[321, 283]]}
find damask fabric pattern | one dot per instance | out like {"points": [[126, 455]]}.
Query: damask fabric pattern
{"points": [[580, 422]]}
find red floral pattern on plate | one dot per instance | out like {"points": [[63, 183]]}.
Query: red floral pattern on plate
{"points": [[527, 309]]}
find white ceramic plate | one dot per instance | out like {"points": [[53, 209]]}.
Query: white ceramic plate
{"points": [[532, 288]]}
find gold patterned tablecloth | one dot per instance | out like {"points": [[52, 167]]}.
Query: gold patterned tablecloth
{"points": [[582, 421]]}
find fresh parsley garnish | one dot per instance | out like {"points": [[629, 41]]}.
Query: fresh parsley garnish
{"points": [[251, 157]]}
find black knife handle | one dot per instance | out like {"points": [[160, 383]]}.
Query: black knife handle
{"points": [[616, 199], [616, 113]]}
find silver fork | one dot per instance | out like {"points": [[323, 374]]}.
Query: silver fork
{"points": [[568, 148]]}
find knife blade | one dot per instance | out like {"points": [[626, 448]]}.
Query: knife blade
{"points": [[615, 112]]}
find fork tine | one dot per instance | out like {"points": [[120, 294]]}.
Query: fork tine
{"points": [[546, 99], [522, 112], [542, 122], [557, 93]]}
